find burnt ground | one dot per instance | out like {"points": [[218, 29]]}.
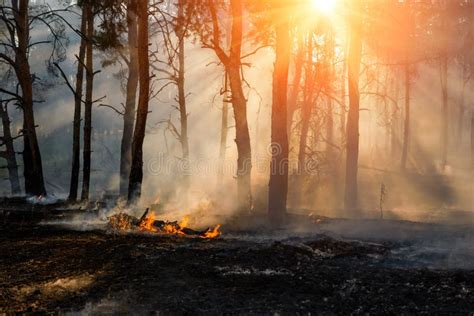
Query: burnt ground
{"points": [[57, 269]]}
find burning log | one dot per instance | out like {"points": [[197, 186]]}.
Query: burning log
{"points": [[149, 223]]}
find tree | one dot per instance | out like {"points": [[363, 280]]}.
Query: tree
{"points": [[131, 96], [136, 170], [278, 187], [231, 59], [19, 21], [89, 67], [78, 93], [352, 147], [9, 153]]}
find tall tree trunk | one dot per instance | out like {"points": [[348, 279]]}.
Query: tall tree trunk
{"points": [[278, 187], [136, 171], [394, 125], [406, 124], [352, 149], [445, 111], [295, 88], [33, 167], [224, 134], [87, 151], [472, 142], [132, 85], [342, 119], [76, 133], [182, 92], [9, 154], [239, 104], [307, 107]]}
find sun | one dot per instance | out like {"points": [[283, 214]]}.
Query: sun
{"points": [[324, 6]]}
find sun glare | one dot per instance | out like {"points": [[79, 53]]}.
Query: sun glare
{"points": [[324, 6]]}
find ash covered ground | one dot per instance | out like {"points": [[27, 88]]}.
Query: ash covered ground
{"points": [[325, 266]]}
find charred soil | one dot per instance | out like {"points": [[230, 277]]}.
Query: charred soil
{"points": [[53, 269]]}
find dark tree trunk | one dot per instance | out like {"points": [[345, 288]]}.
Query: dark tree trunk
{"points": [[9, 154], [233, 65], [239, 104], [87, 151], [352, 149], [406, 124], [136, 171], [295, 88], [132, 85], [76, 134], [33, 167], [278, 187]]}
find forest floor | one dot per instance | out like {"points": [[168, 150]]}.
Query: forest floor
{"points": [[329, 267]]}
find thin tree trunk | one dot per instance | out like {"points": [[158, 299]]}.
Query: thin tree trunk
{"points": [[445, 111], [224, 134], [307, 107], [394, 128], [278, 187], [343, 121], [354, 60], [76, 134], [136, 171], [406, 125], [9, 154], [295, 89], [33, 167], [87, 151], [182, 92], [472, 142], [132, 85]]}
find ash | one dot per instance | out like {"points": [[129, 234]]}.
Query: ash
{"points": [[328, 267]]}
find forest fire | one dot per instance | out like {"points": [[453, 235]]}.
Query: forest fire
{"points": [[149, 223]]}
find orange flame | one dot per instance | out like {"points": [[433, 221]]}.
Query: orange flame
{"points": [[213, 233], [147, 224]]}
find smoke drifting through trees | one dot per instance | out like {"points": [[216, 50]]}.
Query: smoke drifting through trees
{"points": [[358, 92]]}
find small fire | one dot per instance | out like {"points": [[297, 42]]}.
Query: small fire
{"points": [[213, 233], [184, 222], [151, 224], [147, 223]]}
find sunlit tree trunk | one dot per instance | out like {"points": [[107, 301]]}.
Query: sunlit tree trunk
{"points": [[296, 86], [132, 85], [472, 142], [278, 187], [136, 171], [224, 134], [352, 148], [87, 150], [9, 153], [33, 167], [406, 124], [445, 111], [76, 133], [307, 106]]}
